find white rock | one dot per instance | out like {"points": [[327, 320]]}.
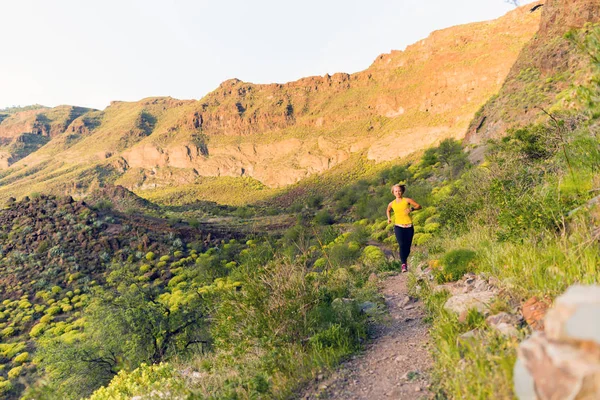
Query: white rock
{"points": [[557, 370], [461, 303], [575, 315]]}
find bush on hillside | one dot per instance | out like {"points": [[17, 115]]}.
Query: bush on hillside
{"points": [[454, 264], [324, 217]]}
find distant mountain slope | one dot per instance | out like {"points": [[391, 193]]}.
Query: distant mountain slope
{"points": [[547, 65], [277, 134]]}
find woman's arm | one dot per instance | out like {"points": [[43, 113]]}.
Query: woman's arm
{"points": [[414, 204], [389, 208]]}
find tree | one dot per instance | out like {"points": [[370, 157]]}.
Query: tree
{"points": [[126, 324]]}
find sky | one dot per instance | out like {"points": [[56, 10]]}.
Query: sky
{"points": [[88, 53]]}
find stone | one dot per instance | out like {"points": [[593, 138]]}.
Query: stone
{"points": [[534, 310], [462, 303], [503, 318], [366, 306], [556, 370], [506, 329], [575, 315], [563, 361], [404, 301], [472, 334]]}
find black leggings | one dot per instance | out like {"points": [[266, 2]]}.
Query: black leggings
{"points": [[404, 236]]}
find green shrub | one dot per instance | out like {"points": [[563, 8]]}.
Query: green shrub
{"points": [[15, 372], [103, 205], [5, 386], [144, 268], [7, 332], [431, 227], [9, 350], [341, 254], [21, 358], [46, 318], [421, 216], [324, 217], [150, 256], [53, 310], [315, 201], [144, 381], [373, 256], [422, 238], [454, 264], [165, 258], [320, 263], [333, 337], [379, 236], [66, 308]]}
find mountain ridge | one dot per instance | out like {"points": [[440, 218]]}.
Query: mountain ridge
{"points": [[278, 133]]}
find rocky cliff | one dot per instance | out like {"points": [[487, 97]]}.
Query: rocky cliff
{"points": [[277, 134], [548, 65]]}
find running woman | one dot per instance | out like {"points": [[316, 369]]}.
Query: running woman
{"points": [[403, 226]]}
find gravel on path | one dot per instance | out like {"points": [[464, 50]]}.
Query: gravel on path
{"points": [[394, 364]]}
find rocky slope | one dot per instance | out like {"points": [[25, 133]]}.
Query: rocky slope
{"points": [[277, 134], [548, 65]]}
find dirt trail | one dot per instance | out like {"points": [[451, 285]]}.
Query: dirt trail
{"points": [[394, 365]]}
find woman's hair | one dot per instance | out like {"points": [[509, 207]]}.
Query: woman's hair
{"points": [[402, 188]]}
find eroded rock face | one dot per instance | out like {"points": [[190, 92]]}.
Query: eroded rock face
{"points": [[564, 361]]}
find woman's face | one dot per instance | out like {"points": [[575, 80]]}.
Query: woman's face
{"points": [[397, 191]]}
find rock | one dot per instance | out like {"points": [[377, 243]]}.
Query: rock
{"points": [[373, 278], [507, 330], [469, 335], [575, 315], [502, 317], [504, 323], [480, 285], [556, 370], [404, 301], [533, 311], [366, 306], [462, 303], [452, 288], [563, 362]]}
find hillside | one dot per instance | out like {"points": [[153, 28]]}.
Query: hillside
{"points": [[301, 295], [275, 134], [546, 67]]}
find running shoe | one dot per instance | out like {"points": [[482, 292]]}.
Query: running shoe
{"points": [[404, 268]]}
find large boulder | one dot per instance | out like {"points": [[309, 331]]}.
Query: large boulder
{"points": [[575, 315], [564, 361]]}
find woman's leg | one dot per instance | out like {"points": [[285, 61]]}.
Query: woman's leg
{"points": [[406, 238], [398, 233]]}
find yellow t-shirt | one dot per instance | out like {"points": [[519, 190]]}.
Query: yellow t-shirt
{"points": [[400, 215]]}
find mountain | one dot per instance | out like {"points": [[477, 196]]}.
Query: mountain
{"points": [[547, 66], [274, 134]]}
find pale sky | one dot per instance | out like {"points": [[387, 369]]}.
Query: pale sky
{"points": [[89, 52]]}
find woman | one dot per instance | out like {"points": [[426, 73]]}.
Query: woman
{"points": [[403, 227]]}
